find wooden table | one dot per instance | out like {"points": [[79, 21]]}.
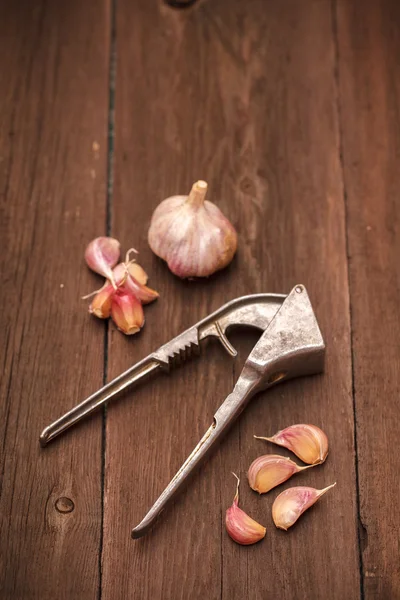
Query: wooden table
{"points": [[290, 110]]}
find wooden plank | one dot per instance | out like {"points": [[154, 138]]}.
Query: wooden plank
{"points": [[243, 95], [369, 75], [53, 132]]}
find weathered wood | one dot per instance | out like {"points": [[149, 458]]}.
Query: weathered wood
{"points": [[243, 95], [53, 126], [369, 76]]}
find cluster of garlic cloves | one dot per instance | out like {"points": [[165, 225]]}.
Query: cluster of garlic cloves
{"points": [[192, 235], [125, 289], [307, 442]]}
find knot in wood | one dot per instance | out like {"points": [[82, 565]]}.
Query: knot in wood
{"points": [[64, 505]]}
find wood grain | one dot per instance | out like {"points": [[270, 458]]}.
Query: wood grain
{"points": [[369, 47], [53, 126], [243, 95], [289, 110]]}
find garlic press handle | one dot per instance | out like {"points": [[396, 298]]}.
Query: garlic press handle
{"points": [[256, 311], [223, 419]]}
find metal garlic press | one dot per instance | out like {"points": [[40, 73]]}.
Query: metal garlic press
{"points": [[291, 345]]}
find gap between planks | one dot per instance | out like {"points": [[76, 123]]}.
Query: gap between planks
{"points": [[336, 77], [108, 228]]}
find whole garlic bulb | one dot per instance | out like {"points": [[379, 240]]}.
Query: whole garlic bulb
{"points": [[192, 235]]}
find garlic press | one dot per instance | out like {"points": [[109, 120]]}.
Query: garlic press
{"points": [[291, 345]]}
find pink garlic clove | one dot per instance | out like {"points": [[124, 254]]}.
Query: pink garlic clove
{"points": [[293, 502], [270, 470], [240, 527], [120, 273], [142, 292], [101, 304], [127, 312], [138, 273], [308, 442], [102, 254], [124, 279]]}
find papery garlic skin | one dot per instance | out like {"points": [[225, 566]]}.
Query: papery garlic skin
{"points": [[192, 235], [102, 254], [240, 527], [293, 502], [100, 306], [270, 470], [308, 442], [127, 313]]}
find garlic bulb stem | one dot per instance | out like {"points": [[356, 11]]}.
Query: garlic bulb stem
{"points": [[197, 194]]}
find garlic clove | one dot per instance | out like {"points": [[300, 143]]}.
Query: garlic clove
{"points": [[192, 235], [270, 470], [142, 292], [308, 442], [240, 527], [291, 504], [120, 273], [126, 281], [102, 254], [101, 304], [130, 268], [138, 273], [127, 312]]}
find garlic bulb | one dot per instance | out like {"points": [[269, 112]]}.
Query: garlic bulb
{"points": [[192, 235]]}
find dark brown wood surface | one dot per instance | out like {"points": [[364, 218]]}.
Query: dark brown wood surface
{"points": [[53, 114], [369, 48], [289, 111]]}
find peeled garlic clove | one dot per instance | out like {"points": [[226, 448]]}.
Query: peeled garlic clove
{"points": [[101, 304], [138, 273], [102, 255], [242, 528], [308, 442], [291, 504], [192, 234], [127, 312], [270, 470]]}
